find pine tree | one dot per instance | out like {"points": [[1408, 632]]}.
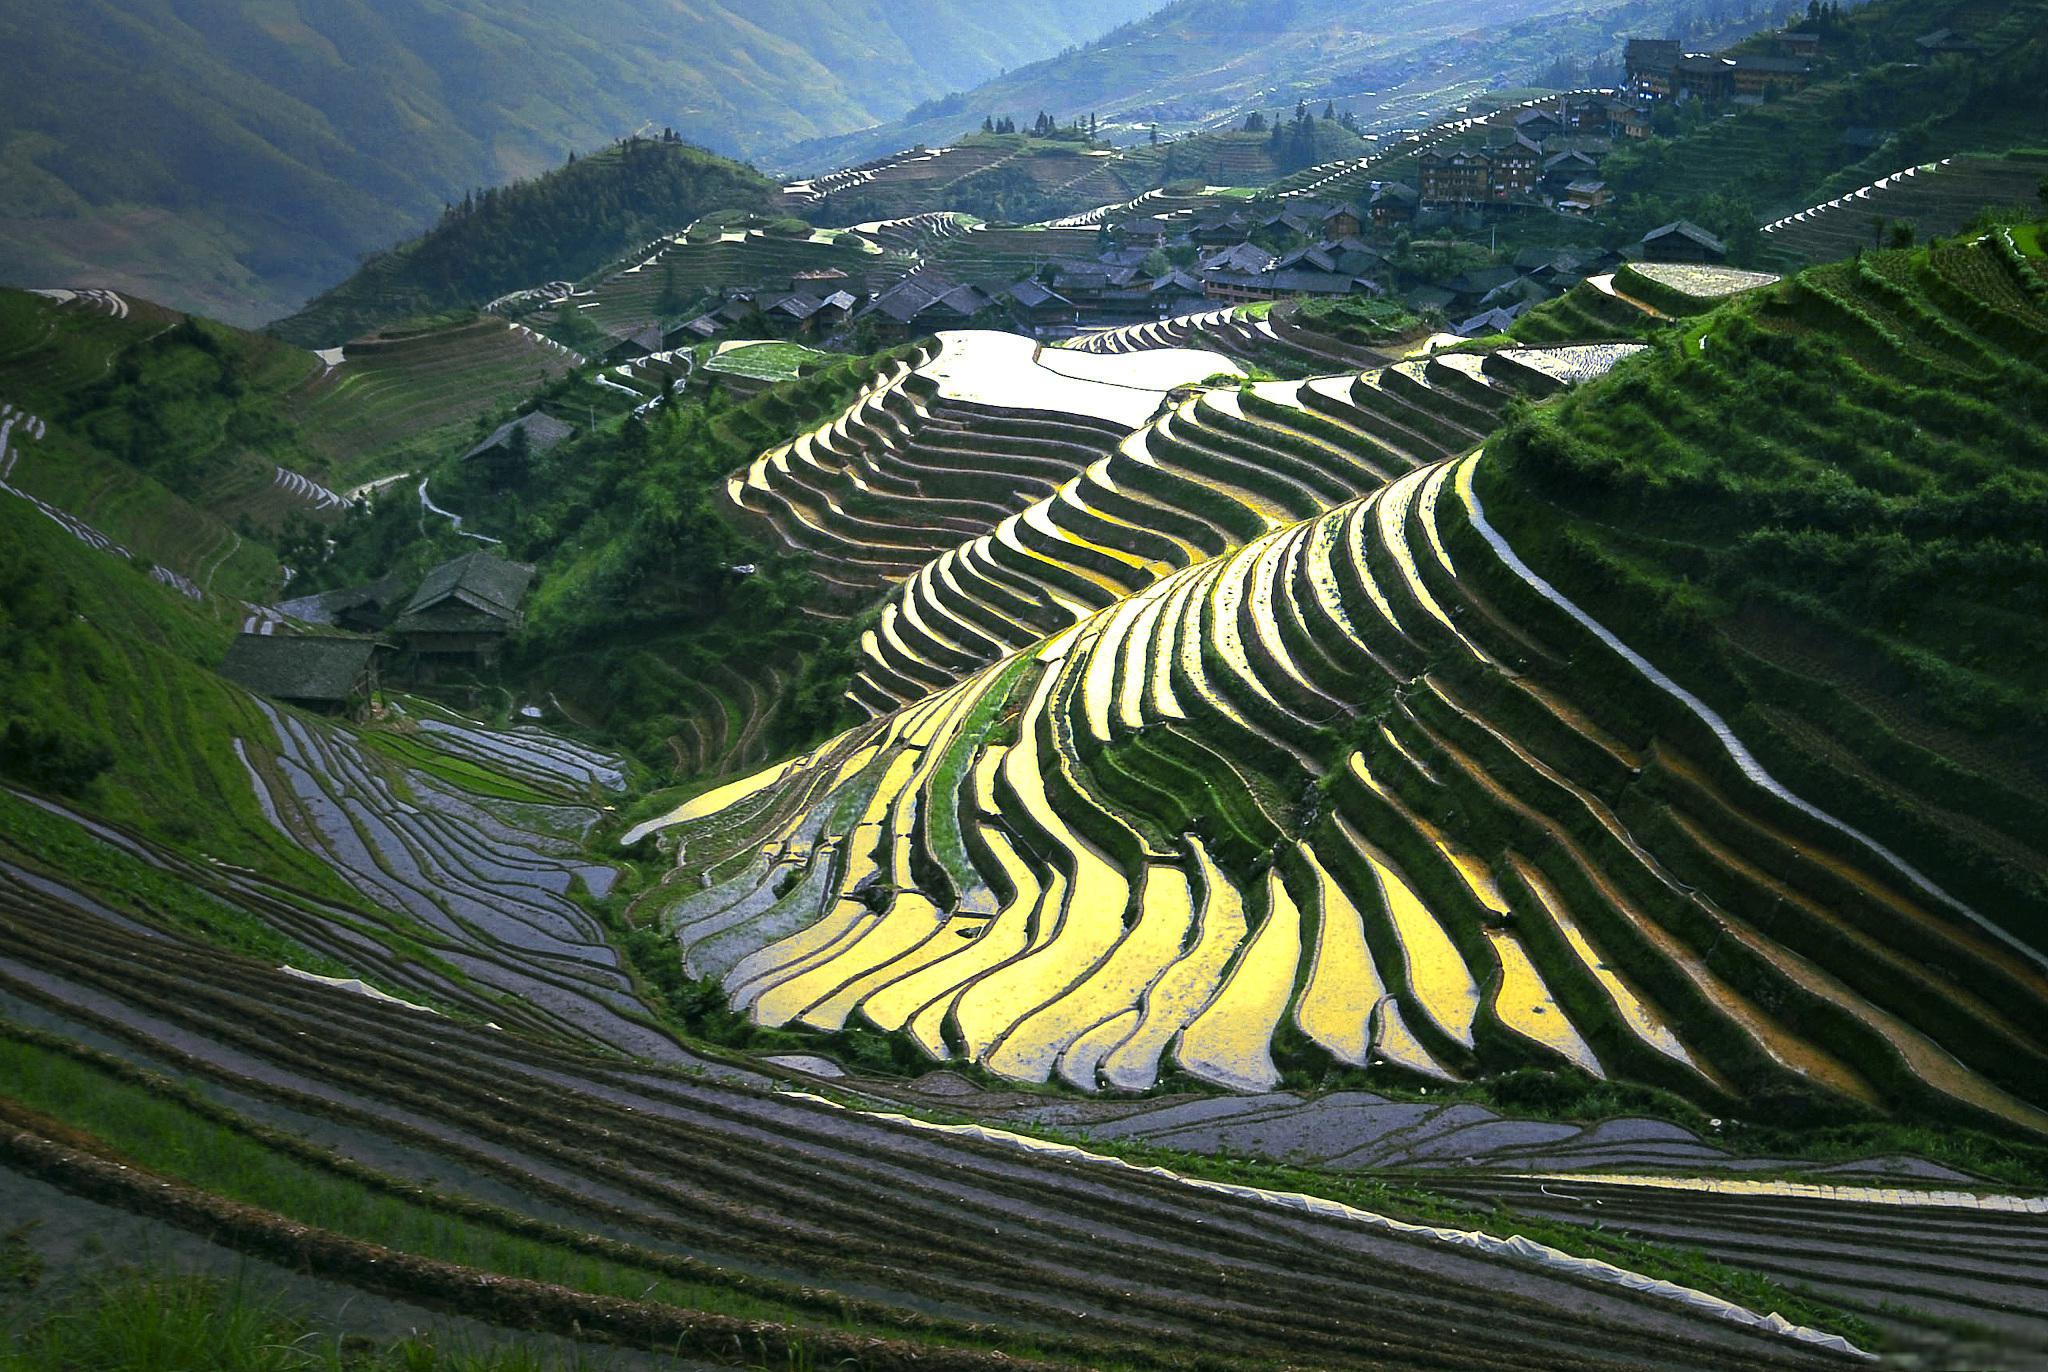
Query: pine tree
{"points": [[670, 302]]}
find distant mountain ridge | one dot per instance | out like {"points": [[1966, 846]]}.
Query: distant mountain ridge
{"points": [[1196, 64], [238, 159]]}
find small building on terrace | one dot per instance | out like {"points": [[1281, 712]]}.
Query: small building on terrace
{"points": [[1682, 241], [319, 672], [464, 610], [517, 441]]}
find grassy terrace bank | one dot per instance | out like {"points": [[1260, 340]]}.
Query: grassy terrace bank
{"points": [[1819, 508]]}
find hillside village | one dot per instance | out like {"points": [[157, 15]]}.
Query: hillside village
{"points": [[1393, 720]]}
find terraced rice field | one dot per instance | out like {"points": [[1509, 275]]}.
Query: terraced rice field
{"points": [[392, 389], [1279, 343], [1218, 469], [469, 839], [992, 257], [114, 509], [624, 300], [1008, 881], [934, 451], [1936, 199], [524, 1183], [912, 176]]}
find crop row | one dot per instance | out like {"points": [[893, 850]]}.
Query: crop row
{"points": [[721, 1192], [907, 471], [1499, 870], [1220, 468]]}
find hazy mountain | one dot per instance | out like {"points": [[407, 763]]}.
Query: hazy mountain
{"points": [[237, 158], [1195, 63]]}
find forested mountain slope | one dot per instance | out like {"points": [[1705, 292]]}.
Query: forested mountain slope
{"points": [[1197, 63], [561, 225], [236, 159]]}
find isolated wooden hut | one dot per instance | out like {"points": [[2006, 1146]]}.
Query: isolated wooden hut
{"points": [[325, 673], [462, 614]]}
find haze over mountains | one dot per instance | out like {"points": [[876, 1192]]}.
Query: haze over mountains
{"points": [[1198, 63], [236, 159]]}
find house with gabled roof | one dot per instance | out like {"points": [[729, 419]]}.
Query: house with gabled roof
{"points": [[322, 672], [1038, 306], [463, 612], [1242, 258], [528, 436], [1682, 241], [1393, 203], [624, 347]]}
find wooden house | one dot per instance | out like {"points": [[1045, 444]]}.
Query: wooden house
{"points": [[1682, 241], [517, 441], [319, 672], [462, 613]]}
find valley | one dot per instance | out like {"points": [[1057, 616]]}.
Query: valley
{"points": [[1410, 734]]}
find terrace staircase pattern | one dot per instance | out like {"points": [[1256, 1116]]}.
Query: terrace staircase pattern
{"points": [[708, 1182], [1281, 343], [905, 472], [481, 884], [1900, 1265], [393, 387], [1138, 868], [1936, 198], [1222, 467]]}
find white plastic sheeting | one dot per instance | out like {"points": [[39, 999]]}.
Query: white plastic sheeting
{"points": [[1515, 1246], [1746, 760], [351, 984]]}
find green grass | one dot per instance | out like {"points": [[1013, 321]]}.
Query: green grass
{"points": [[456, 771], [1821, 503], [766, 361], [166, 1134], [141, 1320], [126, 883], [108, 677]]}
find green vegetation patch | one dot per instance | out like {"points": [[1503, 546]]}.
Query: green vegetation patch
{"points": [[1820, 509], [766, 361]]}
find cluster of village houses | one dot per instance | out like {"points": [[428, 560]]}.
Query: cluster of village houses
{"points": [[1544, 158], [1241, 254]]}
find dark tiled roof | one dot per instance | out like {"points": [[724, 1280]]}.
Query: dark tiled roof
{"points": [[481, 580], [964, 301], [543, 431], [323, 607], [905, 300], [298, 667], [647, 339], [1241, 257], [1030, 294], [795, 306], [1685, 228]]}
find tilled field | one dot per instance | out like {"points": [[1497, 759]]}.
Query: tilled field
{"points": [[891, 1246]]}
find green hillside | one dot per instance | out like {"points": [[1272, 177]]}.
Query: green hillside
{"points": [[237, 161], [558, 226], [1731, 173], [1854, 590]]}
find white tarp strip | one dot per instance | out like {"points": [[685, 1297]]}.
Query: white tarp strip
{"points": [[1515, 1246], [354, 984]]}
